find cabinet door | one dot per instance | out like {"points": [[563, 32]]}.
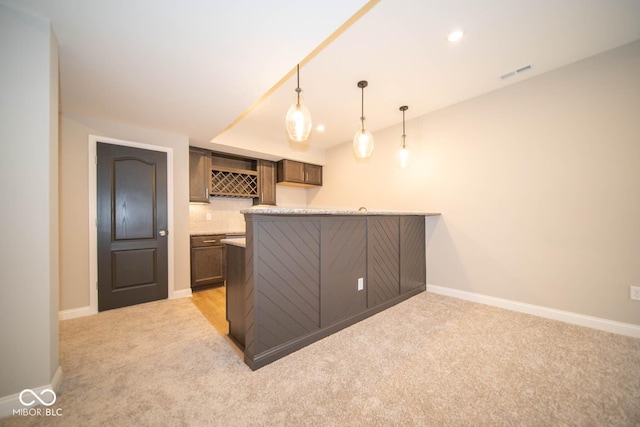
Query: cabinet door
{"points": [[413, 262], [312, 174], [383, 262], [207, 265], [290, 171], [267, 182], [199, 175], [343, 261]]}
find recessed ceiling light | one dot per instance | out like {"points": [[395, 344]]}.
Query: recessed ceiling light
{"points": [[455, 35], [320, 128]]}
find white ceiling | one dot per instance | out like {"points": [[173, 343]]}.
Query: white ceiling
{"points": [[193, 67], [185, 66]]}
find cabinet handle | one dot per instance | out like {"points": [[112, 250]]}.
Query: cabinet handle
{"points": [[209, 241], [206, 193], [262, 195]]}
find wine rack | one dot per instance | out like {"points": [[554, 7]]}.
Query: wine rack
{"points": [[231, 182]]}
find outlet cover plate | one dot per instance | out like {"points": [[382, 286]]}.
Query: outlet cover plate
{"points": [[634, 293]]}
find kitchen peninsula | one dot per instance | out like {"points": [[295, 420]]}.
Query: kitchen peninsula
{"points": [[301, 275]]}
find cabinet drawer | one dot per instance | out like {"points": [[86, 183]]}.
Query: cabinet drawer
{"points": [[212, 240]]}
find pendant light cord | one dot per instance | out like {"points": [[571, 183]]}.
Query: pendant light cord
{"points": [[362, 111], [298, 88], [362, 106], [403, 132]]}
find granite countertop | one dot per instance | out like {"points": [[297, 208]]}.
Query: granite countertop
{"points": [[286, 211], [238, 241], [217, 233]]}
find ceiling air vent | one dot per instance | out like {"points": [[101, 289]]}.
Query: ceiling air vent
{"points": [[514, 72]]}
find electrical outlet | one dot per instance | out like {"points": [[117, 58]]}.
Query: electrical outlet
{"points": [[360, 283], [634, 292], [208, 216]]}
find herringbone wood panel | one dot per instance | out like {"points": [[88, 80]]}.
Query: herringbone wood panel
{"points": [[344, 260], [383, 265], [413, 268], [288, 281]]}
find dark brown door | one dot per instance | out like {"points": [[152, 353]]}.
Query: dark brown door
{"points": [[132, 226]]}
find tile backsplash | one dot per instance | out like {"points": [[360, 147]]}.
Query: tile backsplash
{"points": [[224, 213]]}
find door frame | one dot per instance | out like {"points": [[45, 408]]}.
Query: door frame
{"points": [[93, 215]]}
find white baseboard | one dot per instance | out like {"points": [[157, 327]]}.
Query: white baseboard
{"points": [[620, 328], [181, 293], [76, 312], [9, 403]]}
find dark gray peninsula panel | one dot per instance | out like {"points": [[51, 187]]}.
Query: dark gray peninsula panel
{"points": [[413, 256], [383, 249], [286, 276], [343, 264], [308, 274]]}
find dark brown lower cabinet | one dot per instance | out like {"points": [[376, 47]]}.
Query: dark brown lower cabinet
{"points": [[308, 276], [208, 261]]}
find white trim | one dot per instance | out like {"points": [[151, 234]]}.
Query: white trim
{"points": [[11, 402], [56, 381], [181, 293], [93, 202], [88, 311], [75, 312], [620, 328]]}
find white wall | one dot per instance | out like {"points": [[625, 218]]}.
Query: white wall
{"points": [[224, 215], [74, 201], [224, 212], [29, 186], [538, 185]]}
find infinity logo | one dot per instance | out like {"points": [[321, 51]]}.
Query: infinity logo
{"points": [[36, 397]]}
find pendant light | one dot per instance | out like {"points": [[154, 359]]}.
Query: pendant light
{"points": [[298, 118], [363, 140], [403, 155]]}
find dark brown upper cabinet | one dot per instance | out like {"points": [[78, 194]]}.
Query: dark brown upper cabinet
{"points": [[199, 175], [298, 174], [313, 174], [266, 183]]}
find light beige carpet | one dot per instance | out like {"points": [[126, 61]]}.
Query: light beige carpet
{"points": [[431, 360]]}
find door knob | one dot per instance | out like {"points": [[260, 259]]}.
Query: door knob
{"points": [[163, 233]]}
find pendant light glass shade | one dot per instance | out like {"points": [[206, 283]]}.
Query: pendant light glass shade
{"points": [[363, 140], [403, 155], [298, 119]]}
